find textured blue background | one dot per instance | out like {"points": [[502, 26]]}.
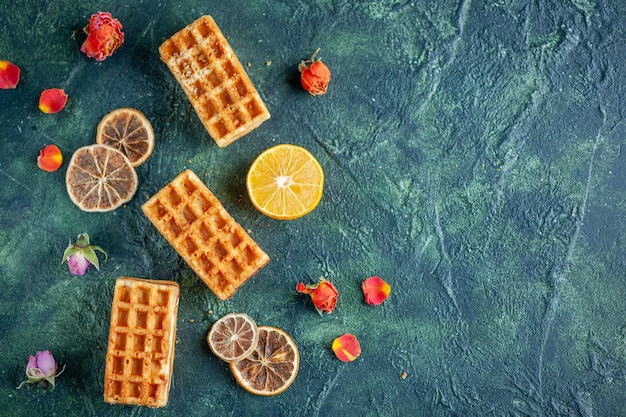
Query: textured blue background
{"points": [[474, 159]]}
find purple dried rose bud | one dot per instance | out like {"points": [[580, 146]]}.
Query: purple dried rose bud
{"points": [[81, 255], [77, 263], [42, 369]]}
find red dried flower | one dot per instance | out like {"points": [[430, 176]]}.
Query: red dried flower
{"points": [[50, 158], [52, 100], [314, 75], [104, 36], [323, 294], [9, 75]]}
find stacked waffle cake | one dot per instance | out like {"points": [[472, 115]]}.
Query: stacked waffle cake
{"points": [[140, 351], [214, 80], [212, 243]]}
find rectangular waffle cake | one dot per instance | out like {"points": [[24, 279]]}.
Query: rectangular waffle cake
{"points": [[140, 351], [212, 243], [214, 80]]}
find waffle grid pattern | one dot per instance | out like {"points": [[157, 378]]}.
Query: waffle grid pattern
{"points": [[212, 243], [214, 80], [140, 350]]}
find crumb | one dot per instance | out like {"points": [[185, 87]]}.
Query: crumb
{"points": [[404, 375], [211, 312], [249, 64], [177, 341], [190, 161], [268, 63], [192, 320], [249, 231]]}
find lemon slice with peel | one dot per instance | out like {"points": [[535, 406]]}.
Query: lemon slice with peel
{"points": [[128, 131], [100, 178], [285, 182], [233, 337], [273, 365]]}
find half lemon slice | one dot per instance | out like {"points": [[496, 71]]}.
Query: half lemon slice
{"points": [[285, 182]]}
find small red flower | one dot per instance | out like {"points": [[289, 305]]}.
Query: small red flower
{"points": [[375, 290], [52, 100], [50, 158], [346, 347], [314, 75], [9, 75], [323, 294], [104, 36]]}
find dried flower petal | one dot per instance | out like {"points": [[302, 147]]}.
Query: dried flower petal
{"points": [[52, 100], [375, 290], [346, 347], [50, 158], [9, 75]]}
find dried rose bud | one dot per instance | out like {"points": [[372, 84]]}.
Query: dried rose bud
{"points": [[52, 100], [323, 294], [9, 75], [314, 75], [375, 290], [81, 255], [346, 347], [50, 158], [42, 369], [78, 263], [104, 36]]}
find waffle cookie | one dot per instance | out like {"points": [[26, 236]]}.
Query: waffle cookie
{"points": [[212, 243], [140, 351], [214, 80]]}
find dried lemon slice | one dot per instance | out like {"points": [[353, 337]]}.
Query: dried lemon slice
{"points": [[233, 337], [128, 131], [100, 178], [272, 367]]}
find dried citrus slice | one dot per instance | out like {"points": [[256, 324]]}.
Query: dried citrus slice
{"points": [[233, 337], [285, 182], [128, 131], [273, 365], [100, 178]]}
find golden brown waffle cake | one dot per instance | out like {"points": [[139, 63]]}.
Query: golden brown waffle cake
{"points": [[140, 353], [212, 243], [214, 80]]}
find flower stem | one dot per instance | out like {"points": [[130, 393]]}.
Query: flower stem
{"points": [[307, 62]]}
